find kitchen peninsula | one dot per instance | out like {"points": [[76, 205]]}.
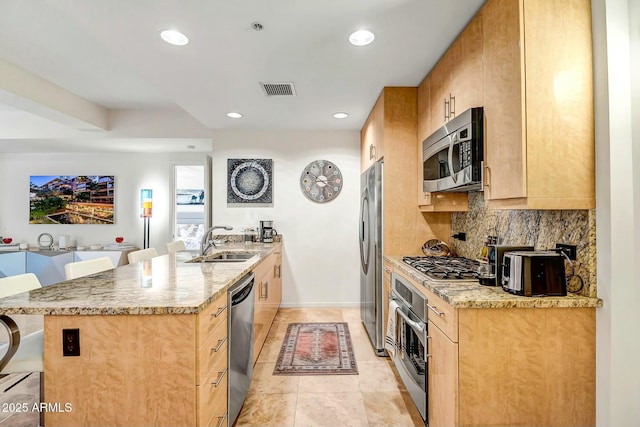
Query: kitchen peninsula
{"points": [[152, 340]]}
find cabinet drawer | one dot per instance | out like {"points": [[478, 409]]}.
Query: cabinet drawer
{"points": [[442, 314], [264, 268], [212, 395], [211, 317], [214, 348]]}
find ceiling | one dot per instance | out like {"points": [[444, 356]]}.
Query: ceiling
{"points": [[109, 53]]}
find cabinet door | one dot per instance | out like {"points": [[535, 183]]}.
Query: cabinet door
{"points": [[372, 136], [505, 161], [467, 74], [440, 91], [443, 379], [261, 313]]}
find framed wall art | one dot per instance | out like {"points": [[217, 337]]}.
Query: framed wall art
{"points": [[249, 181], [71, 199]]}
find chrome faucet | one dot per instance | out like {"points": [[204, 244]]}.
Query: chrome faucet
{"points": [[207, 243]]}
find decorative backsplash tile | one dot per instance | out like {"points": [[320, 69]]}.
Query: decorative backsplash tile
{"points": [[540, 228]]}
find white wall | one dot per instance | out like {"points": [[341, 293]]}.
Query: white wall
{"points": [[321, 258], [616, 27], [132, 172]]}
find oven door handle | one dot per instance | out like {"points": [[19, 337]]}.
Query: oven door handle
{"points": [[415, 325]]}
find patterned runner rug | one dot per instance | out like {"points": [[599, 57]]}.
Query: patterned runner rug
{"points": [[316, 349]]}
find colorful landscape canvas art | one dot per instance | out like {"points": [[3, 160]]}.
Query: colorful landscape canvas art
{"points": [[71, 199]]}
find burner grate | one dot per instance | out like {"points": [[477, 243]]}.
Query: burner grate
{"points": [[445, 268]]}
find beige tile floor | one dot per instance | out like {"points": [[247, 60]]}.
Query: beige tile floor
{"points": [[374, 397]]}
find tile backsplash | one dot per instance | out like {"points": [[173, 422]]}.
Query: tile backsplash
{"points": [[540, 228]]}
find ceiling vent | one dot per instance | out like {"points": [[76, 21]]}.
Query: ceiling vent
{"points": [[278, 89]]}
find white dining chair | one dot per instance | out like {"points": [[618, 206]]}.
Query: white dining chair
{"points": [[141, 255], [22, 353], [76, 269], [173, 247]]}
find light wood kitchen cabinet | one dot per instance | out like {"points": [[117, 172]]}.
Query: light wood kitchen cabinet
{"points": [[454, 85], [267, 298], [393, 120], [372, 136], [538, 90], [387, 270], [457, 78], [509, 366], [442, 369], [178, 363]]}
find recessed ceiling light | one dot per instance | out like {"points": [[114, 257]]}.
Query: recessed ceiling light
{"points": [[361, 37], [174, 37], [340, 115], [234, 115]]}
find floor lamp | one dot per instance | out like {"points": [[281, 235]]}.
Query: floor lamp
{"points": [[146, 202]]}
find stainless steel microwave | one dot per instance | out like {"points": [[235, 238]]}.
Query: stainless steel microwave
{"points": [[452, 157]]}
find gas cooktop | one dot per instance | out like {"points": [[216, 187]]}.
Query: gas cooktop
{"points": [[445, 268]]}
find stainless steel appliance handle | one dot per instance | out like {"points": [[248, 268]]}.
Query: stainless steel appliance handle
{"points": [[434, 309], [415, 325], [452, 143], [364, 228], [435, 148]]}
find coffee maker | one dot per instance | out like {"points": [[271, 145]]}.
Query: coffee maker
{"points": [[266, 231]]}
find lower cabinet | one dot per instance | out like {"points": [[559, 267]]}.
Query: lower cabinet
{"points": [[268, 296], [160, 370], [509, 366]]}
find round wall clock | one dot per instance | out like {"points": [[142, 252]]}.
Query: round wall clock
{"points": [[321, 181]]}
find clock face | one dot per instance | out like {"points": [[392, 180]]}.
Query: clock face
{"points": [[321, 181]]}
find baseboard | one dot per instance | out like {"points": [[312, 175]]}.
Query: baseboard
{"points": [[355, 304]]}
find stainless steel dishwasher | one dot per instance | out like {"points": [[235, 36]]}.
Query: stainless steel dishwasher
{"points": [[240, 343]]}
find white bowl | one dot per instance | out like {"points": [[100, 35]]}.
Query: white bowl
{"points": [[81, 248], [95, 247]]}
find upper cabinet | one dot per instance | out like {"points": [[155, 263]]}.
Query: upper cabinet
{"points": [[454, 85], [538, 104], [372, 136], [457, 79], [392, 124]]}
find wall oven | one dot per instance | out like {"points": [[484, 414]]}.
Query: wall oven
{"points": [[452, 156], [411, 340]]}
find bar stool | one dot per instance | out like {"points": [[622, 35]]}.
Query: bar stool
{"points": [[76, 269], [173, 247], [22, 353], [141, 255]]}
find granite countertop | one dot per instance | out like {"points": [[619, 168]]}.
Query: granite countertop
{"points": [[166, 284], [474, 295]]}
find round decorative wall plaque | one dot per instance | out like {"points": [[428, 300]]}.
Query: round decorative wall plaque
{"points": [[249, 180], [321, 181]]}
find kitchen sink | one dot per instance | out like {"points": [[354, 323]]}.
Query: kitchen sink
{"points": [[226, 257]]}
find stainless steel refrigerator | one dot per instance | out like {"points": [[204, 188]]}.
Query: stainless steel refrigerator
{"points": [[372, 305]]}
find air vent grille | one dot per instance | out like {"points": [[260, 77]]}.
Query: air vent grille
{"points": [[278, 89]]}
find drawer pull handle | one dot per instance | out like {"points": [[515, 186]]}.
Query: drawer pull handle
{"points": [[434, 309], [219, 312], [221, 375], [222, 418], [220, 344]]}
